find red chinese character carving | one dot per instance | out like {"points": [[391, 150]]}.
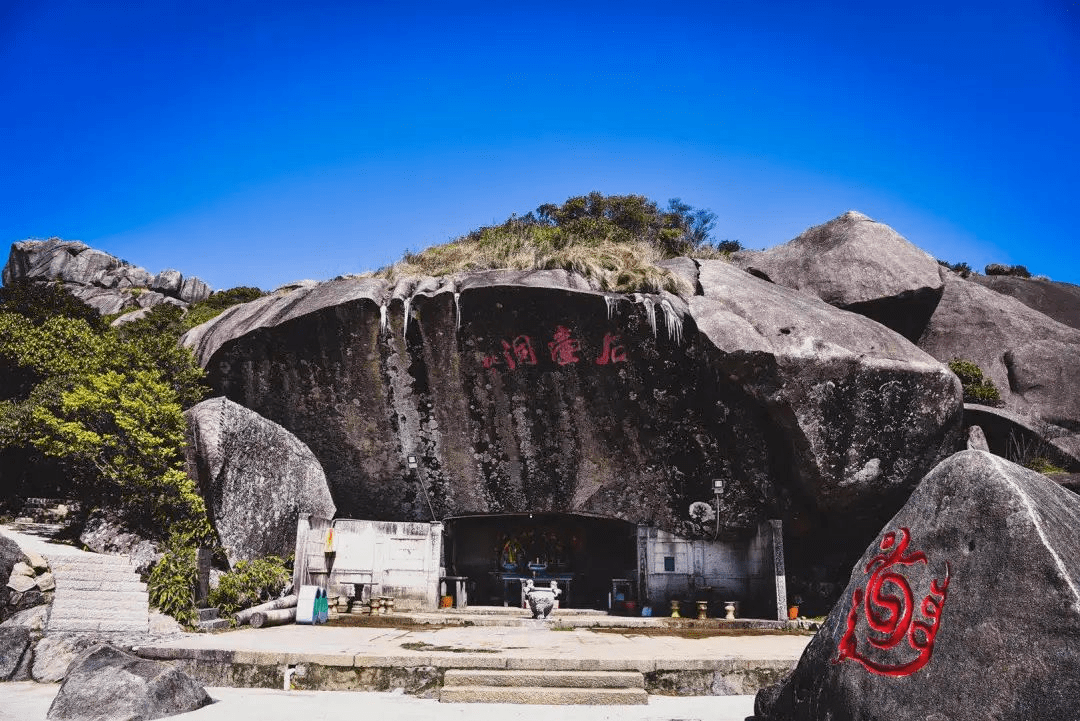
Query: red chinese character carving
{"points": [[564, 348], [614, 352], [520, 350], [490, 362], [890, 613]]}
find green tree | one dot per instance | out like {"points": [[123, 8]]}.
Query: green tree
{"points": [[110, 411]]}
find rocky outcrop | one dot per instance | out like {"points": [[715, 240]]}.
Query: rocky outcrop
{"points": [[256, 476], [1060, 301], [975, 583], [106, 683], [855, 263], [529, 391], [100, 280], [1018, 438], [1031, 358], [105, 533]]}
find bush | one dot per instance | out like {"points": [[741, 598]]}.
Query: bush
{"points": [[961, 269], [977, 387], [1018, 271], [172, 581], [251, 583]]}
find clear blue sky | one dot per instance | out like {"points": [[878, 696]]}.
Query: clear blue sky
{"points": [[256, 143]]}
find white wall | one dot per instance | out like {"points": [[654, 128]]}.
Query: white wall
{"points": [[391, 558]]}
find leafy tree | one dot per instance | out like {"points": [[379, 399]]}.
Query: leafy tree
{"points": [[41, 301], [110, 411]]}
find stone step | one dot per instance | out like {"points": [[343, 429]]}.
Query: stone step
{"points": [[101, 599], [90, 574], [104, 610], [544, 695], [215, 624], [100, 585], [207, 614], [548, 679], [92, 560], [96, 625]]}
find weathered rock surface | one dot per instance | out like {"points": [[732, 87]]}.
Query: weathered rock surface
{"points": [[974, 584], [529, 391], [858, 264], [256, 477], [104, 533], [1020, 439], [105, 683], [976, 440], [14, 642], [55, 653], [1031, 358], [98, 279], [1060, 301]]}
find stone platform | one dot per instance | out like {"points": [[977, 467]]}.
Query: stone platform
{"points": [[414, 651]]}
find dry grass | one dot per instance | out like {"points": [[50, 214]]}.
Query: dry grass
{"points": [[617, 266]]}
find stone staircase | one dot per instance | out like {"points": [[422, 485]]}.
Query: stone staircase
{"points": [[544, 687], [97, 593]]}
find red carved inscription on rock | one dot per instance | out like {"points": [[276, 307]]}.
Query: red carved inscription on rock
{"points": [[897, 643]]}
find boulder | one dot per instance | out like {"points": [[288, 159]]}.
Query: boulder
{"points": [[976, 440], [33, 619], [974, 584], [1060, 301], [168, 282], [1031, 358], [256, 476], [45, 582], [1021, 439], [10, 555], [21, 583], [858, 264], [14, 641], [100, 280], [520, 391], [55, 653], [105, 533], [105, 683], [36, 561]]}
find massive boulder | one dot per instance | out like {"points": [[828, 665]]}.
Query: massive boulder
{"points": [[100, 280], [256, 476], [1060, 301], [105, 683], [1031, 358], [858, 264], [974, 584], [530, 391]]}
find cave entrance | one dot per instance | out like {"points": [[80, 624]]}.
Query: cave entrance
{"points": [[498, 552]]}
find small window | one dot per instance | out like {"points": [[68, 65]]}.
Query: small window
{"points": [[669, 563]]}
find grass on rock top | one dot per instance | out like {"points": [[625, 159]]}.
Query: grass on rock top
{"points": [[613, 241]]}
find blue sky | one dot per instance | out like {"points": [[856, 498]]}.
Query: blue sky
{"points": [[256, 143]]}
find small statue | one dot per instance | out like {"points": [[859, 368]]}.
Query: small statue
{"points": [[541, 600]]}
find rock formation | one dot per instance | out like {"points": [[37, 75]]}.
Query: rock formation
{"points": [[1030, 357], [106, 683], [855, 263], [1060, 301], [100, 280], [256, 477], [974, 584], [523, 391]]}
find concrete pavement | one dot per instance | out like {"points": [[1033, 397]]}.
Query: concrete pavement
{"points": [[27, 701]]}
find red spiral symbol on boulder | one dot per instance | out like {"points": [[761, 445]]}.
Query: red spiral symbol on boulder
{"points": [[888, 604]]}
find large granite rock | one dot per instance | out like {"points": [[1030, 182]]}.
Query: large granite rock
{"points": [[55, 653], [1060, 301], [256, 476], [98, 279], [105, 683], [10, 554], [14, 642], [1031, 358], [857, 264], [530, 391], [966, 606]]}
